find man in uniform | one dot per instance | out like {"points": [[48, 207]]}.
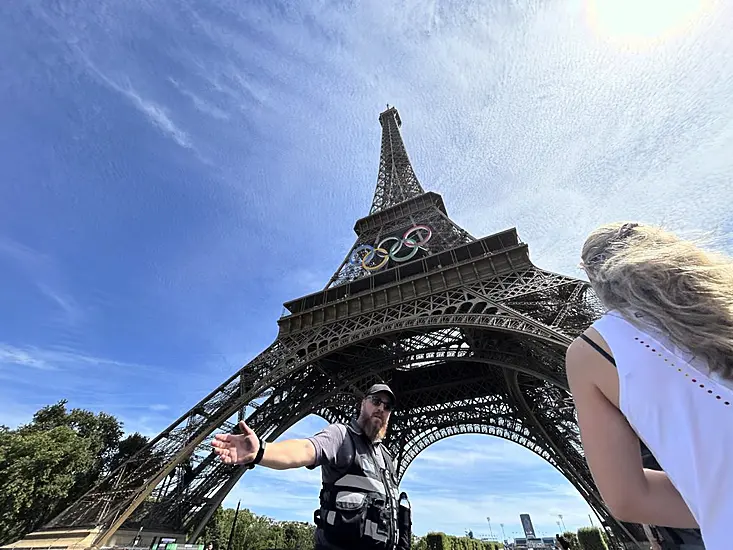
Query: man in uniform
{"points": [[359, 501]]}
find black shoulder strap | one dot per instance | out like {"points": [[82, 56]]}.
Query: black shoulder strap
{"points": [[388, 462], [599, 349], [350, 435]]}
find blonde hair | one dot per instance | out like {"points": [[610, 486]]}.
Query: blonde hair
{"points": [[683, 290]]}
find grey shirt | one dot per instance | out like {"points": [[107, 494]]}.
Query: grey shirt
{"points": [[334, 454]]}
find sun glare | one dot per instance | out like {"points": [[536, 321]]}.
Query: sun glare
{"points": [[643, 22]]}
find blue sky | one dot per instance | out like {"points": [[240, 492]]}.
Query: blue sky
{"points": [[173, 172]]}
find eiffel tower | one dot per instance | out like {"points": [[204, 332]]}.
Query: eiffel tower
{"points": [[468, 332]]}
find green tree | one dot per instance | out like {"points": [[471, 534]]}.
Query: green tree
{"points": [[275, 535], [298, 535], [126, 449], [38, 472], [48, 463], [252, 532], [212, 532], [100, 433]]}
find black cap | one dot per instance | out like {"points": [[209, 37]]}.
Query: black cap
{"points": [[376, 388]]}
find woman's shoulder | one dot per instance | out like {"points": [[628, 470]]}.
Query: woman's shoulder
{"points": [[628, 323]]}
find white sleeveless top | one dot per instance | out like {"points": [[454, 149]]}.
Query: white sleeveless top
{"points": [[683, 415]]}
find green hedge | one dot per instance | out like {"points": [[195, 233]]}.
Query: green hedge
{"points": [[441, 541], [572, 538], [591, 538], [438, 541]]}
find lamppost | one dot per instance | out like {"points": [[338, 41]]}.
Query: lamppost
{"points": [[563, 523], [503, 534], [491, 533]]}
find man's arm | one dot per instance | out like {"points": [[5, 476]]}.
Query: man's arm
{"points": [[291, 453], [243, 448], [322, 448]]}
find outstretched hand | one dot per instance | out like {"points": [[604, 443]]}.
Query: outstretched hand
{"points": [[237, 449]]}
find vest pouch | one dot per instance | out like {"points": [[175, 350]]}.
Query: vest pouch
{"points": [[383, 520], [345, 524]]}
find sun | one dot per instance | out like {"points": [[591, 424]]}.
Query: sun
{"points": [[644, 21]]}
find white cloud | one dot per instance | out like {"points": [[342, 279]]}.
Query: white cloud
{"points": [[200, 103], [476, 453], [526, 116], [54, 358], [23, 357], [32, 377], [156, 113], [81, 45], [44, 271], [73, 313], [21, 254], [149, 425]]}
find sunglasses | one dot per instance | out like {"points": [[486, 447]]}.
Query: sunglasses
{"points": [[376, 402]]}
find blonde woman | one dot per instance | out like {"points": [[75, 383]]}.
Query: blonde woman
{"points": [[658, 367]]}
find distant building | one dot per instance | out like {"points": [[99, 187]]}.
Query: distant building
{"points": [[547, 543], [527, 526]]}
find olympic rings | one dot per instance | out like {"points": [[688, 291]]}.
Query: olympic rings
{"points": [[377, 257]]}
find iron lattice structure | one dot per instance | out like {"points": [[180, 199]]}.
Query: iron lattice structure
{"points": [[396, 181], [468, 332]]}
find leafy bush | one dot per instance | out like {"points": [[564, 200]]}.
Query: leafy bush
{"points": [[441, 541], [591, 538], [572, 538], [438, 541]]}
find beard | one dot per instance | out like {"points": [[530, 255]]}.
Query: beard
{"points": [[374, 427]]}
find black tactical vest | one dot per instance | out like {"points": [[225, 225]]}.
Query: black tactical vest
{"points": [[359, 509]]}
